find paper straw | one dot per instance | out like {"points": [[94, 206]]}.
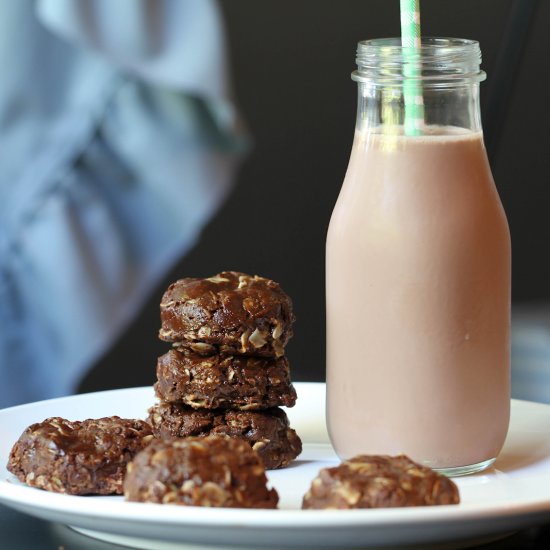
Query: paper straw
{"points": [[412, 90]]}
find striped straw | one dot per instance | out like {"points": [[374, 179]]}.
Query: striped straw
{"points": [[412, 90]]}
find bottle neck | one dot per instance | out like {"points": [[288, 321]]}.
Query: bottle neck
{"points": [[416, 90], [382, 108]]}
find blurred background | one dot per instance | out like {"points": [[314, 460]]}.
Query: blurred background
{"points": [[122, 127], [291, 64]]}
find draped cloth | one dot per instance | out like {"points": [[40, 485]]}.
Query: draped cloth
{"points": [[118, 141]]}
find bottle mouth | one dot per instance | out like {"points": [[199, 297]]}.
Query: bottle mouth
{"points": [[437, 62]]}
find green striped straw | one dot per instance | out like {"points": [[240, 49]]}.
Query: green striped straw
{"points": [[412, 90]]}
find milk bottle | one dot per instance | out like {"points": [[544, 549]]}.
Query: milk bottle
{"points": [[418, 271]]}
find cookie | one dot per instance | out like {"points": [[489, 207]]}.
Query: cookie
{"points": [[207, 471], [230, 313], [379, 482], [267, 432], [78, 458], [224, 381]]}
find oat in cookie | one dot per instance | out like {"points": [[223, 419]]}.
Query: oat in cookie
{"points": [[230, 313], [267, 432], [78, 458], [377, 481], [224, 381], [209, 471]]}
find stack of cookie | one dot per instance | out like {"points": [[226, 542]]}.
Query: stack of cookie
{"points": [[226, 373]]}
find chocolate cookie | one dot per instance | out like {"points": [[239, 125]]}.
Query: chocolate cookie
{"points": [[267, 432], [379, 482], [230, 313], [224, 381], [78, 458], [206, 471]]}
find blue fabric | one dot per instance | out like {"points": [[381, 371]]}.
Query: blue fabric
{"points": [[118, 140], [531, 352]]}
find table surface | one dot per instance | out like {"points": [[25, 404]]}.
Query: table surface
{"points": [[22, 532]]}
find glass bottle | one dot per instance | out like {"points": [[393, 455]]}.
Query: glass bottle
{"points": [[418, 269]]}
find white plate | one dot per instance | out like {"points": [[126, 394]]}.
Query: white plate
{"points": [[515, 494]]}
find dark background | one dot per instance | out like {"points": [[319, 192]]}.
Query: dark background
{"points": [[291, 64]]}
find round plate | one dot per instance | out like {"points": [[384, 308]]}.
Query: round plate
{"points": [[512, 495]]}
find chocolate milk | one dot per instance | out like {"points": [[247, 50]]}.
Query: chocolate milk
{"points": [[418, 302]]}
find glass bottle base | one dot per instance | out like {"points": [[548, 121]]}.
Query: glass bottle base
{"points": [[465, 470]]}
